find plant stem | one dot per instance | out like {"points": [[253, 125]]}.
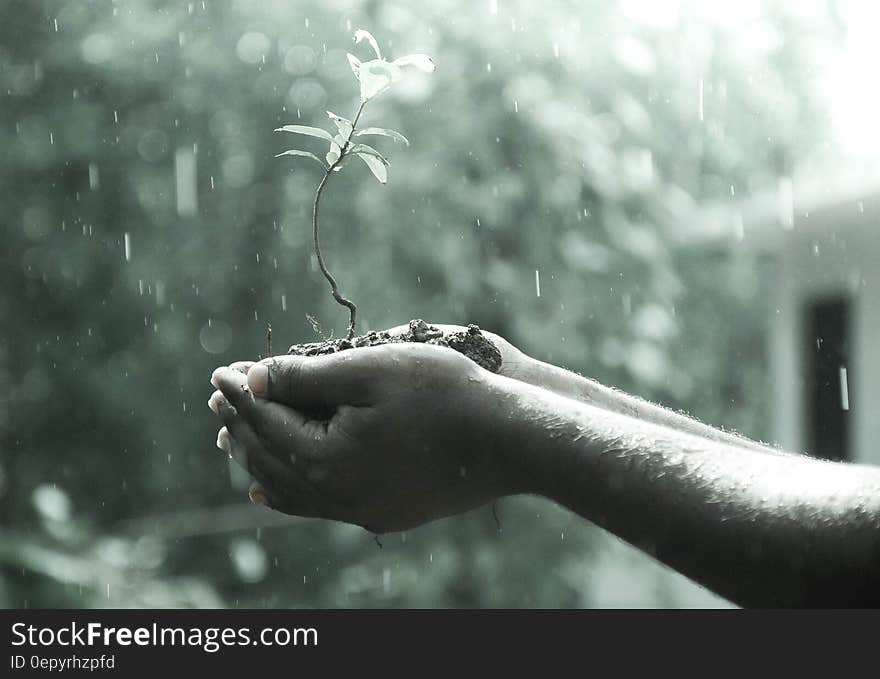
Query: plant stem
{"points": [[334, 288]]}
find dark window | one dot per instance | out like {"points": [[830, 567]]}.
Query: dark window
{"points": [[828, 380]]}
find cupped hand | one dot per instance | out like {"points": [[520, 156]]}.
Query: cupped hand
{"points": [[385, 437], [514, 363]]}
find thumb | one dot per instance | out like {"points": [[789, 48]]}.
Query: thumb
{"points": [[310, 382]]}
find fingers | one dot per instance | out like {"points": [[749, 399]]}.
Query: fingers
{"points": [[259, 495], [239, 440], [279, 484], [287, 432], [241, 366], [318, 382]]}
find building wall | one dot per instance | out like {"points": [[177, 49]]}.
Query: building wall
{"points": [[832, 251]]}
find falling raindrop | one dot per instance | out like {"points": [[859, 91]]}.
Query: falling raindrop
{"points": [[283, 302], [493, 7], [844, 389], [94, 179], [785, 204], [127, 240], [185, 171], [701, 100], [537, 283]]}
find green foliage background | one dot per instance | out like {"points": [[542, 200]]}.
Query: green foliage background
{"points": [[559, 137]]}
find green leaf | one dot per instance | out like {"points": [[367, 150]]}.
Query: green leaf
{"points": [[305, 129], [396, 136], [376, 167], [342, 124], [375, 77], [369, 151], [304, 154]]}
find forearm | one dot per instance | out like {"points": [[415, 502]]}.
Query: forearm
{"points": [[571, 385], [757, 528]]}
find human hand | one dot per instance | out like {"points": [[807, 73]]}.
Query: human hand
{"points": [[408, 433]]}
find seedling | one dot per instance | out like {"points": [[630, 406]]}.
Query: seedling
{"points": [[375, 77]]}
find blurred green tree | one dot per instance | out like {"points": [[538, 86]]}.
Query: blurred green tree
{"points": [[149, 235]]}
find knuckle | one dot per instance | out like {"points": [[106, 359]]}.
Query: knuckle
{"points": [[287, 377]]}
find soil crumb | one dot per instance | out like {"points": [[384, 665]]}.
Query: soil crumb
{"points": [[471, 342]]}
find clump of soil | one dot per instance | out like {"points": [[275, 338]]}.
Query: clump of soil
{"points": [[470, 342]]}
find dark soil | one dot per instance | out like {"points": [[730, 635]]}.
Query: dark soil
{"points": [[470, 342]]}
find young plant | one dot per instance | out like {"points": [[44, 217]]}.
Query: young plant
{"points": [[375, 77]]}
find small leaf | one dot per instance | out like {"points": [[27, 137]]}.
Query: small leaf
{"points": [[376, 76], [332, 155], [421, 61], [342, 124], [360, 34], [396, 136], [304, 154], [376, 167], [305, 129], [340, 140], [369, 151], [355, 64]]}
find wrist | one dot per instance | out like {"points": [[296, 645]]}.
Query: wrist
{"points": [[531, 432]]}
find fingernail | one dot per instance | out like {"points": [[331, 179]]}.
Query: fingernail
{"points": [[258, 379], [258, 497], [223, 442], [215, 375], [215, 401]]}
